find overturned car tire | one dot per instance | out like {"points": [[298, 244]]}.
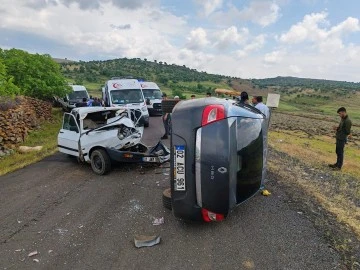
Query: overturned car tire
{"points": [[100, 161], [166, 198], [168, 105]]}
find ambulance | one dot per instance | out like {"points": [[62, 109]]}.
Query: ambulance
{"points": [[152, 94], [127, 94]]}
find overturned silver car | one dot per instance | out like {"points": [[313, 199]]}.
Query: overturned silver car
{"points": [[99, 135]]}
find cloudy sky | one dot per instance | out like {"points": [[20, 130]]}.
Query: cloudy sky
{"points": [[244, 38]]}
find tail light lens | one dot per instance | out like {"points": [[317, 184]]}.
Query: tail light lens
{"points": [[210, 216], [213, 113]]}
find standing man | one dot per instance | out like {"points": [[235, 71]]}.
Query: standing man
{"points": [[342, 132], [262, 107], [244, 98], [192, 96], [166, 121], [254, 101]]}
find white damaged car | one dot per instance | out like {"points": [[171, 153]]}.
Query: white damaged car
{"points": [[99, 135]]}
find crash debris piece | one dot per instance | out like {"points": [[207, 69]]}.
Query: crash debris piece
{"points": [[33, 253], [27, 149], [265, 192], [158, 221], [36, 260], [146, 240]]}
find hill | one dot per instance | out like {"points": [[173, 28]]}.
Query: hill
{"points": [[178, 80], [307, 83]]}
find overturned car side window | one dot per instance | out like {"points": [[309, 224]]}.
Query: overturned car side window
{"points": [[69, 123]]}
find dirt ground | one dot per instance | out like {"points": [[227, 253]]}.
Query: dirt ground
{"points": [[311, 125]]}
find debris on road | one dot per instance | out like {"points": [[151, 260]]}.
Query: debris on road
{"points": [[265, 192], [158, 221], [62, 231], [27, 149], [36, 260], [146, 241], [33, 253], [50, 251]]}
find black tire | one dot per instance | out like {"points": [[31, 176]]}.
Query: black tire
{"points": [[166, 198], [147, 124], [100, 162], [168, 105]]}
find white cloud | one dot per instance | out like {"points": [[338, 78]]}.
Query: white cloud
{"points": [[197, 39], [105, 29], [274, 57], [231, 36], [209, 6], [149, 34], [295, 69], [256, 44], [310, 30], [263, 13]]}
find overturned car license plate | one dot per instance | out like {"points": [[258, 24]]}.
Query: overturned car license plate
{"points": [[179, 168]]}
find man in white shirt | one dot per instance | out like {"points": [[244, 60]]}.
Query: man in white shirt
{"points": [[262, 107]]}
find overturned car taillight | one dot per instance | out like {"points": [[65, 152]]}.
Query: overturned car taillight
{"points": [[212, 113], [210, 216]]}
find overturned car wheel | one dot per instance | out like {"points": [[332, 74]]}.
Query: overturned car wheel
{"points": [[100, 162], [166, 198]]}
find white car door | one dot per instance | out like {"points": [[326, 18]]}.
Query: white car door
{"points": [[69, 135]]}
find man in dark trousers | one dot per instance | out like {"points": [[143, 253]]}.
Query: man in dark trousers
{"points": [[166, 117], [342, 132]]}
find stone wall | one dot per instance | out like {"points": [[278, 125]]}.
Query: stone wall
{"points": [[16, 122]]}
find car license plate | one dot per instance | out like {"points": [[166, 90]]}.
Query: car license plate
{"points": [[150, 159], [179, 168]]}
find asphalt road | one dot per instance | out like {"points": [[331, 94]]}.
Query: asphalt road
{"points": [[75, 219]]}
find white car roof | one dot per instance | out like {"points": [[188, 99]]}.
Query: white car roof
{"points": [[78, 88], [149, 85], [123, 84]]}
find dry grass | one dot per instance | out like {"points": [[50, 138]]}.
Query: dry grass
{"points": [[338, 197], [318, 151], [46, 136]]}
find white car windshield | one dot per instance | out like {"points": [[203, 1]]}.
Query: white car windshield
{"points": [[126, 96], [152, 93]]}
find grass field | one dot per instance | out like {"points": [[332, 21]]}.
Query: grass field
{"points": [[45, 136]]}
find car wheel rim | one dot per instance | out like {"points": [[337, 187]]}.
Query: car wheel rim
{"points": [[98, 163]]}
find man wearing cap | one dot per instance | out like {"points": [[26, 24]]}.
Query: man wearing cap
{"points": [[342, 132]]}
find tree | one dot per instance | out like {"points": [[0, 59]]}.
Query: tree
{"points": [[36, 75], [7, 88]]}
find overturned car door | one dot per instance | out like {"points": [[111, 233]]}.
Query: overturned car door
{"points": [[218, 157]]}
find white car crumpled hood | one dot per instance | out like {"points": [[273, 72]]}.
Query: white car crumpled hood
{"points": [[111, 138]]}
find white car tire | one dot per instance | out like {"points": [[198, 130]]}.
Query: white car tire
{"points": [[100, 162]]}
